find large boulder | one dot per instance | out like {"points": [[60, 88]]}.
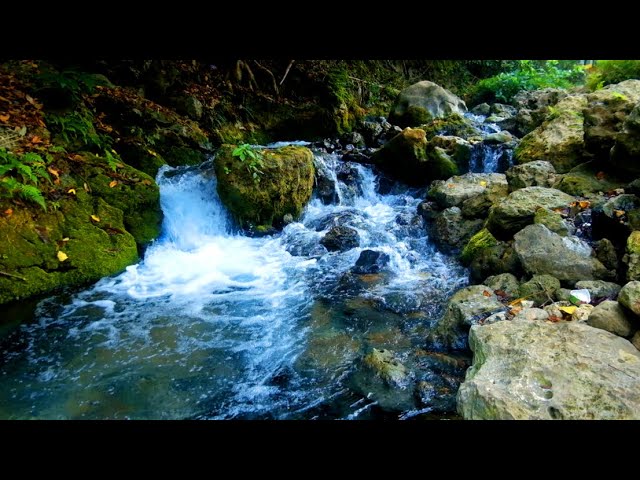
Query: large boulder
{"points": [[519, 208], [605, 115], [569, 259], [560, 139], [82, 241], [610, 316], [408, 158], [422, 102], [540, 289], [538, 173], [539, 370], [585, 180], [467, 307], [283, 186], [454, 191], [553, 221]]}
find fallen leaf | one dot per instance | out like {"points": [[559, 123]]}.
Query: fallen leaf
{"points": [[8, 212], [62, 256], [53, 172], [86, 187], [486, 293], [65, 239], [147, 182], [600, 175], [36, 139], [501, 293], [450, 185], [113, 183], [515, 310], [554, 318], [569, 310], [516, 301], [30, 99], [619, 213], [4, 118], [72, 191], [483, 183], [584, 204], [151, 152], [95, 218]]}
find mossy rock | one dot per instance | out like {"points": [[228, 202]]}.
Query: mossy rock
{"points": [[552, 220], [586, 179], [480, 241], [284, 186], [136, 194], [31, 242], [452, 125]]}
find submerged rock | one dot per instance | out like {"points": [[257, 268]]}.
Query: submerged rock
{"points": [[284, 186], [370, 261], [538, 370], [467, 307], [424, 101], [340, 238]]}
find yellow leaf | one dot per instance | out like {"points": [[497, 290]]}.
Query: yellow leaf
{"points": [[95, 218], [62, 256], [113, 183], [72, 191], [584, 204], [86, 187], [516, 301], [151, 152], [65, 239], [570, 310], [483, 183], [619, 213]]}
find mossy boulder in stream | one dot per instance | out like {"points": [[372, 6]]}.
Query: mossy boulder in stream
{"points": [[422, 102], [284, 186], [82, 241]]}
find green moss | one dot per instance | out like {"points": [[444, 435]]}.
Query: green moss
{"points": [[285, 185], [441, 165], [455, 125], [31, 242], [138, 196], [481, 240], [177, 156], [552, 220]]}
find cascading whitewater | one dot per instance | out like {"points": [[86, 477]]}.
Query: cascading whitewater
{"points": [[213, 324]]}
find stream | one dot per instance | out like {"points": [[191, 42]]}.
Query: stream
{"points": [[212, 324]]}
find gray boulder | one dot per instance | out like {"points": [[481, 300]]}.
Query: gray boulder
{"points": [[567, 258], [505, 282], [455, 190], [518, 209], [452, 230], [610, 316], [422, 102], [538, 173], [482, 109], [560, 139], [629, 296], [540, 370]]}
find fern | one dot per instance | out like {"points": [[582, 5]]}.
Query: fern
{"points": [[33, 194], [29, 168]]}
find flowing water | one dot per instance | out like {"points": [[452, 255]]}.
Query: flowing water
{"points": [[216, 325]]}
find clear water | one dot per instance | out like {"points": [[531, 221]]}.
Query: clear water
{"points": [[216, 325]]}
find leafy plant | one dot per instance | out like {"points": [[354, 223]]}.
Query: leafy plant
{"points": [[607, 72], [252, 158], [72, 81], [77, 127], [20, 175], [529, 75]]}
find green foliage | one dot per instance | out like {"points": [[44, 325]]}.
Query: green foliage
{"points": [[529, 75], [77, 128], [607, 72], [72, 81], [246, 152], [111, 160], [20, 175]]}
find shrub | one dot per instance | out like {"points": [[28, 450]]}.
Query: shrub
{"points": [[529, 75], [607, 72]]}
